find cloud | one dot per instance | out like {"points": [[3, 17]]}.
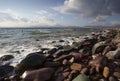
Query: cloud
{"points": [[113, 23], [98, 9], [8, 19]]}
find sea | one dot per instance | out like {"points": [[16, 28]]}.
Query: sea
{"points": [[19, 42]]}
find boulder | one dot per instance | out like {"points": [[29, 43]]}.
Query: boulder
{"points": [[6, 57], [31, 61], [42, 74]]}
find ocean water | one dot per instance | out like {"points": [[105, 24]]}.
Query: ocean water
{"points": [[21, 41]]}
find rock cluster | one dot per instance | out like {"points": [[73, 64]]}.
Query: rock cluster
{"points": [[93, 59]]}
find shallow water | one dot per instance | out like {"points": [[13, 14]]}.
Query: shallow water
{"points": [[21, 41]]}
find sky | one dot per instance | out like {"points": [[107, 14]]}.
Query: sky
{"points": [[56, 13]]}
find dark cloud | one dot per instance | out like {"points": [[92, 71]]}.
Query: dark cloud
{"points": [[91, 8]]}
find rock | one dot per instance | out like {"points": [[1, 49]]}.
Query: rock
{"points": [[63, 57], [117, 55], [42, 74], [72, 60], [6, 71], [65, 62], [76, 66], [52, 64], [102, 80], [113, 54], [98, 47], [65, 51], [32, 61], [111, 78], [81, 77], [61, 41], [6, 57], [117, 74], [52, 51], [84, 71], [106, 72], [98, 63], [65, 74]]}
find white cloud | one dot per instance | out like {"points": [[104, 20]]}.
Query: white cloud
{"points": [[98, 9], [9, 19]]}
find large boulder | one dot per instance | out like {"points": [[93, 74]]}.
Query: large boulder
{"points": [[42, 74], [32, 61]]}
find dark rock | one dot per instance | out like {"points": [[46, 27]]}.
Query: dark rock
{"points": [[63, 51], [52, 64], [6, 57], [6, 71], [52, 51], [61, 41], [32, 61], [63, 57], [42, 74]]}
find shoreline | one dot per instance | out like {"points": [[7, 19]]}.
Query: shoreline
{"points": [[76, 57]]}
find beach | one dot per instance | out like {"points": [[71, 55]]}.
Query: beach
{"points": [[65, 52]]}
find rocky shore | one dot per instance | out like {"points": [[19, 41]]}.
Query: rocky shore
{"points": [[96, 58]]}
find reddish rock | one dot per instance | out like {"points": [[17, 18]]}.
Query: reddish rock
{"points": [[38, 75]]}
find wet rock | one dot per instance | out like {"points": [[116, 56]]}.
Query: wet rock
{"points": [[6, 57], [117, 74], [52, 64], [32, 61], [63, 57], [42, 74], [98, 47], [106, 72], [81, 77], [6, 71], [76, 66], [52, 51], [61, 41], [66, 50], [111, 78]]}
